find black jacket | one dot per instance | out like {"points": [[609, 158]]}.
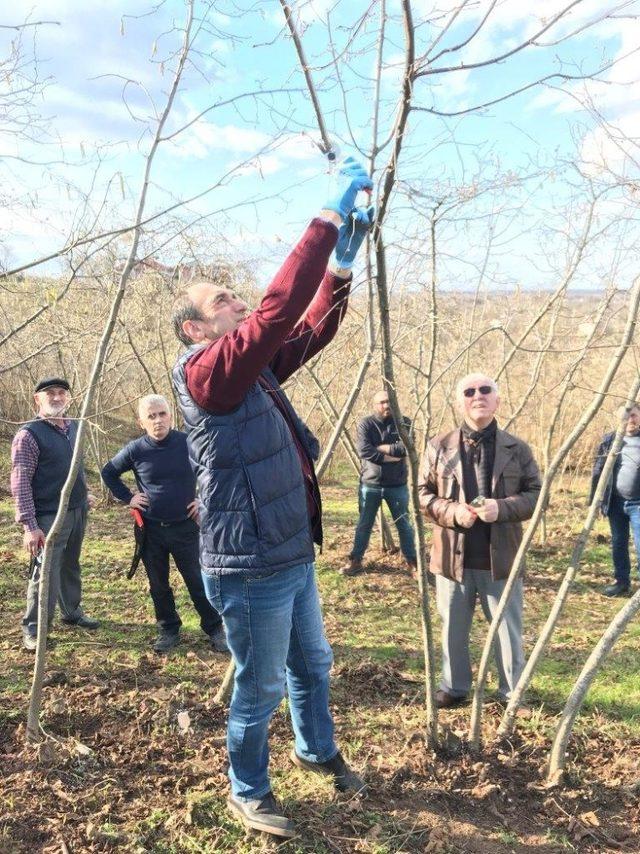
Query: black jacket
{"points": [[601, 456], [373, 431]]}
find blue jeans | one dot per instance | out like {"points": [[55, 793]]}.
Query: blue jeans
{"points": [[369, 501], [632, 512], [276, 635]]}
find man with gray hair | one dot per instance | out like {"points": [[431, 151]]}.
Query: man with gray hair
{"points": [[478, 484], [166, 499], [40, 461]]}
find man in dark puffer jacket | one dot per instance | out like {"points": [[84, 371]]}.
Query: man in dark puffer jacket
{"points": [[261, 511]]}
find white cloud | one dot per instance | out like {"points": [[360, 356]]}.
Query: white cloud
{"points": [[613, 148], [265, 164], [616, 92], [204, 138], [512, 15]]}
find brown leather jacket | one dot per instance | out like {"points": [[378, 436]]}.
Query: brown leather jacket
{"points": [[515, 484]]}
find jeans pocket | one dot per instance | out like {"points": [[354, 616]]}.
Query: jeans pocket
{"points": [[212, 590], [262, 576]]}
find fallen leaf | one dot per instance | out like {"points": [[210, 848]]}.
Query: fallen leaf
{"points": [[184, 721], [483, 790], [46, 753], [439, 841], [82, 749], [374, 832], [55, 677]]}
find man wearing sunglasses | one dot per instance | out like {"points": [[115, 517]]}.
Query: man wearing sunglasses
{"points": [[478, 485]]}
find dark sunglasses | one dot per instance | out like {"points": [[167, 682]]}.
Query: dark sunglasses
{"points": [[483, 389]]}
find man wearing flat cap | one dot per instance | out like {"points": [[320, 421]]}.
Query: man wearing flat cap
{"points": [[40, 461]]}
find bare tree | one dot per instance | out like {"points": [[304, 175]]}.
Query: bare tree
{"points": [[509, 717], [547, 481], [35, 700], [558, 754], [384, 197]]}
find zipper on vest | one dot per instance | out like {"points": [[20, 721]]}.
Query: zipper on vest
{"points": [[254, 508]]}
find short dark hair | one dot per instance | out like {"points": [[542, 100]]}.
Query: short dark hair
{"points": [[184, 309]]}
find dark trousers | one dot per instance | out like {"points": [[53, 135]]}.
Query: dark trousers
{"points": [[620, 535], [178, 540]]}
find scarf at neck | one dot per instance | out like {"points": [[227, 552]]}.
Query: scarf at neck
{"points": [[478, 455], [476, 437]]}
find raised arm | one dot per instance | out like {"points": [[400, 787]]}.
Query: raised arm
{"points": [[317, 328], [220, 374], [325, 314]]}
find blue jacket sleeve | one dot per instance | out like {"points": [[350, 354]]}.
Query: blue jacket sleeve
{"points": [[113, 471]]}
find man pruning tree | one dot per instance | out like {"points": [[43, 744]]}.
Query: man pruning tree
{"points": [[261, 512]]}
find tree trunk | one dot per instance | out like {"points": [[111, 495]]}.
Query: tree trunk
{"points": [[616, 627], [225, 690], [35, 698]]}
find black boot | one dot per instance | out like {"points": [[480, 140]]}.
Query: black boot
{"points": [[263, 814], [218, 640], [617, 589], [166, 640]]}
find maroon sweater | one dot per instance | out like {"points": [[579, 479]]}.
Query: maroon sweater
{"points": [[298, 315]]}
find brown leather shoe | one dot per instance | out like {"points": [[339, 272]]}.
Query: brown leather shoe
{"points": [[444, 700], [354, 567], [412, 566]]}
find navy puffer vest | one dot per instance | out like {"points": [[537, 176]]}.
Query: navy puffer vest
{"points": [[250, 482], [54, 462]]}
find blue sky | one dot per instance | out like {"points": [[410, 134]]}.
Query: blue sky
{"points": [[506, 172]]}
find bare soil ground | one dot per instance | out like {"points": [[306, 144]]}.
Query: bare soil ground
{"points": [[134, 757]]}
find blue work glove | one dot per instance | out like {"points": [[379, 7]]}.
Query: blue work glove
{"points": [[351, 234], [351, 178]]}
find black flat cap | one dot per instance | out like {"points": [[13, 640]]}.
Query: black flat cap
{"points": [[52, 381]]}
